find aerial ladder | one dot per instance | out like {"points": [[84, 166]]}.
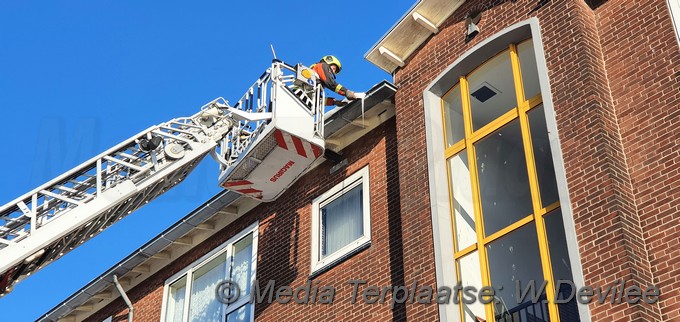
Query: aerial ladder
{"points": [[263, 144]]}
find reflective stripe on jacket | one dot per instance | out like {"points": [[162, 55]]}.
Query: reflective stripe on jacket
{"points": [[323, 70]]}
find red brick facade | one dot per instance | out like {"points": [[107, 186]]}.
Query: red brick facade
{"points": [[614, 80], [615, 85], [284, 245]]}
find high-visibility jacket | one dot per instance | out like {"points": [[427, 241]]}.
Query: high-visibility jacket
{"points": [[327, 78]]}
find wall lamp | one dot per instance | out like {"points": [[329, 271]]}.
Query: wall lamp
{"points": [[471, 22]]}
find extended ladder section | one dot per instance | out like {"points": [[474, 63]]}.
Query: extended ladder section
{"points": [[282, 111]]}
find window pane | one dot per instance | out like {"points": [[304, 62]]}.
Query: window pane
{"points": [[204, 305], [453, 114], [492, 90], [515, 257], [561, 266], [241, 265], [175, 305], [527, 62], [342, 221], [463, 212], [542, 155], [471, 276], [503, 181], [242, 314]]}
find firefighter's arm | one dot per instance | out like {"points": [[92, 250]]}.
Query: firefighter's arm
{"points": [[330, 82], [334, 86]]}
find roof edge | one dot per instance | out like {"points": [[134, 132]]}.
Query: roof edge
{"points": [[207, 209], [409, 32]]}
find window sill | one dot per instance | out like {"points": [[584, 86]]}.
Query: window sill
{"points": [[317, 272]]}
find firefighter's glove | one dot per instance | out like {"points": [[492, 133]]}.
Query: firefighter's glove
{"points": [[350, 95], [332, 101]]}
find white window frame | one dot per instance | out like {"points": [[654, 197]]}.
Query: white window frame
{"points": [[360, 177], [188, 271]]}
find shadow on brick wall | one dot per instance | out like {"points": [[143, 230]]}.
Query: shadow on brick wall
{"points": [[396, 243], [285, 229], [278, 248]]}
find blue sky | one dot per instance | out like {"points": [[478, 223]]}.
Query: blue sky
{"points": [[77, 77]]}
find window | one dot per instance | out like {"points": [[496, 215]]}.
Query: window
{"points": [[504, 207], [190, 295], [341, 221]]}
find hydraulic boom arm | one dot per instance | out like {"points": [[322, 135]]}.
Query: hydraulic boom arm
{"points": [[53, 219]]}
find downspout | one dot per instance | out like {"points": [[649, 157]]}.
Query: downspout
{"points": [[125, 298]]}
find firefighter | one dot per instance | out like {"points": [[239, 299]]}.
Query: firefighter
{"points": [[326, 69]]}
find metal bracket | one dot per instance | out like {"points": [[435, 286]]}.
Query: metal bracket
{"points": [[339, 160]]}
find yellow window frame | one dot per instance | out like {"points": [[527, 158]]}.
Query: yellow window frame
{"points": [[520, 112]]}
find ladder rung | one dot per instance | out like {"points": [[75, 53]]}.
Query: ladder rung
{"points": [[67, 189], [185, 125], [129, 156], [86, 196], [127, 164], [4, 230], [84, 184], [60, 197], [82, 174], [8, 228], [179, 138], [177, 130], [8, 221]]}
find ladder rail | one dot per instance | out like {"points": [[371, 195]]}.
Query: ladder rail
{"points": [[59, 215], [38, 226], [100, 173]]}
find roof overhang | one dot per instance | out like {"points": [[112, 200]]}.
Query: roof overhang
{"points": [[411, 31], [99, 292], [347, 124]]}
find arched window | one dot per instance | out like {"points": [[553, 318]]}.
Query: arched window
{"points": [[493, 148]]}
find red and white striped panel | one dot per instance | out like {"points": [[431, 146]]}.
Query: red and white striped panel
{"points": [[243, 187], [294, 143]]}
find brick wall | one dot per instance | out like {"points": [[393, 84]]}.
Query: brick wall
{"points": [[284, 247], [642, 58], [600, 119], [607, 222]]}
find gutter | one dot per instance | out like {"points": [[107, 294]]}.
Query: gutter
{"points": [[339, 117]]}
